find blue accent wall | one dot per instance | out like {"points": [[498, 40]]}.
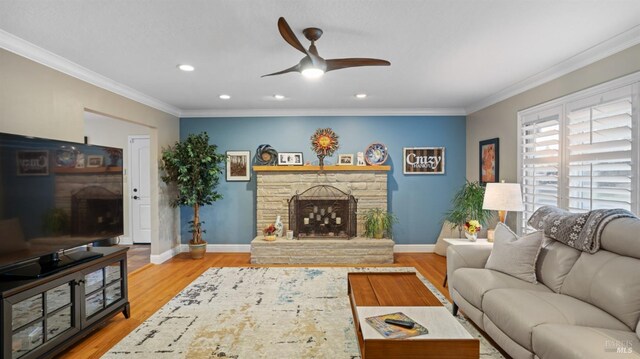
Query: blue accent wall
{"points": [[419, 201]]}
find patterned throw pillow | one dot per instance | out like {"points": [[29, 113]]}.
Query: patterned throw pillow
{"points": [[515, 256]]}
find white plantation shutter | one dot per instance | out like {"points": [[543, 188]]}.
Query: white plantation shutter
{"points": [[540, 160], [599, 151], [581, 152]]}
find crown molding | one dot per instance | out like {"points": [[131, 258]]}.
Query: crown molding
{"points": [[324, 112], [595, 53], [35, 53]]}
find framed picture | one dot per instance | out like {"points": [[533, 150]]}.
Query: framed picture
{"points": [[345, 160], [423, 160], [290, 159], [94, 161], [238, 167], [32, 163], [489, 161]]}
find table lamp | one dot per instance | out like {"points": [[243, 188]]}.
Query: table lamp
{"points": [[503, 197]]}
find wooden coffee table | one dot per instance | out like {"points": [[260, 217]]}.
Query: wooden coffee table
{"points": [[373, 294]]}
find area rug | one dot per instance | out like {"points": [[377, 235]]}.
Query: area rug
{"points": [[261, 313]]}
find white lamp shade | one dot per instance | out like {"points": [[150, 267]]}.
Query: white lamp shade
{"points": [[503, 197]]}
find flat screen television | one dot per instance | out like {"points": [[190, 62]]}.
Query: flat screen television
{"points": [[54, 196]]}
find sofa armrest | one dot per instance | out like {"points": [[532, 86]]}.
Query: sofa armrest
{"points": [[466, 256]]}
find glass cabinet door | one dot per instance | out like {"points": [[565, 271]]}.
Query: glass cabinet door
{"points": [[41, 318], [103, 287]]}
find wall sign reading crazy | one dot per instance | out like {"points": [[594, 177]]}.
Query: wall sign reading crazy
{"points": [[423, 160]]}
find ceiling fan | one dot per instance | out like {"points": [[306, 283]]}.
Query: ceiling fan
{"points": [[312, 65]]}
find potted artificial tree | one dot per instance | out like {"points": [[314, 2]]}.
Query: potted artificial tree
{"points": [[378, 222], [194, 167], [467, 206]]}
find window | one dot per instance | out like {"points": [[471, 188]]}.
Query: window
{"points": [[580, 152]]}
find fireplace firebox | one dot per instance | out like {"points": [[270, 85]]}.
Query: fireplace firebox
{"points": [[323, 212]]}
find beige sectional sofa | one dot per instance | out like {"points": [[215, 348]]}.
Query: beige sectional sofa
{"points": [[583, 305]]}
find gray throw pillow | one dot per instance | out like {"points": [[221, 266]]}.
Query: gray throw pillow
{"points": [[515, 256]]}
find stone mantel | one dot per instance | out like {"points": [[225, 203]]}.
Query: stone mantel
{"points": [[332, 168]]}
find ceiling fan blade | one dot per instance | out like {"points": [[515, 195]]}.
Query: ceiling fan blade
{"points": [[337, 64], [289, 36], [295, 68]]}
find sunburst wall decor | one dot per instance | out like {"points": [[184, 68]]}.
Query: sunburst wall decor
{"points": [[324, 142]]}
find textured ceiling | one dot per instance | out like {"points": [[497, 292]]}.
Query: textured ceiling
{"points": [[443, 53]]}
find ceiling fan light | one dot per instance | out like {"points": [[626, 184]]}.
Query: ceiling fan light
{"points": [[186, 68], [312, 73]]}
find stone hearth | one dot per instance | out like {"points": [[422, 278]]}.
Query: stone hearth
{"points": [[322, 251]]}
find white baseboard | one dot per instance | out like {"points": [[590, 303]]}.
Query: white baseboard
{"points": [[222, 248], [246, 248], [407, 248], [164, 256]]}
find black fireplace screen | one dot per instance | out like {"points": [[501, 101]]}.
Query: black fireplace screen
{"points": [[323, 212], [95, 211]]}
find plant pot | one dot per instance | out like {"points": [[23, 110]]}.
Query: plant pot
{"points": [[379, 234], [471, 237], [197, 250], [269, 238]]}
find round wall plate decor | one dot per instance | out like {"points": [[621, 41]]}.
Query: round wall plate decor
{"points": [[376, 154]]}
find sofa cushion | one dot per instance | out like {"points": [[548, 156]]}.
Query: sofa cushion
{"points": [[516, 312], [515, 256], [551, 341], [472, 284], [608, 281], [620, 236], [554, 263]]}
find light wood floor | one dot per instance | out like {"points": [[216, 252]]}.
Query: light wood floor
{"points": [[152, 286], [138, 256]]}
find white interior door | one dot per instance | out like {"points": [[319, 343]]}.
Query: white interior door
{"points": [[139, 188]]}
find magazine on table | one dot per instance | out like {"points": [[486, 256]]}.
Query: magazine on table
{"points": [[391, 331]]}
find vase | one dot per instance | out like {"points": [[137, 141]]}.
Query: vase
{"points": [[270, 237], [279, 227], [471, 237], [197, 250]]}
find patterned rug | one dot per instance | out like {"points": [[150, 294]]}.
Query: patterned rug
{"points": [[261, 313]]}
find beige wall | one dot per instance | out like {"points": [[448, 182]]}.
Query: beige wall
{"points": [[38, 101], [500, 119]]}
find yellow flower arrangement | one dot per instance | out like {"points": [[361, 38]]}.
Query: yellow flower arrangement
{"points": [[472, 226]]}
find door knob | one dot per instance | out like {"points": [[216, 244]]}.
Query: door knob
{"points": [[135, 197]]}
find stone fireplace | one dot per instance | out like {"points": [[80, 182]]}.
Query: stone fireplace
{"points": [[297, 192], [276, 185]]}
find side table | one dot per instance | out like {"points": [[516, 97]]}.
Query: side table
{"points": [[464, 241]]}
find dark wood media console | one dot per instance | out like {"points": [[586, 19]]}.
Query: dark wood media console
{"points": [[42, 317]]}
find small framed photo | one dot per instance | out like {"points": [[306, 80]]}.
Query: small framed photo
{"points": [[238, 166], [345, 160], [361, 159], [290, 159], [32, 163], [489, 160], [94, 161]]}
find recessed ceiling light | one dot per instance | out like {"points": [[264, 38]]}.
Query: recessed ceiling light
{"points": [[224, 97], [185, 67], [278, 97], [361, 95]]}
